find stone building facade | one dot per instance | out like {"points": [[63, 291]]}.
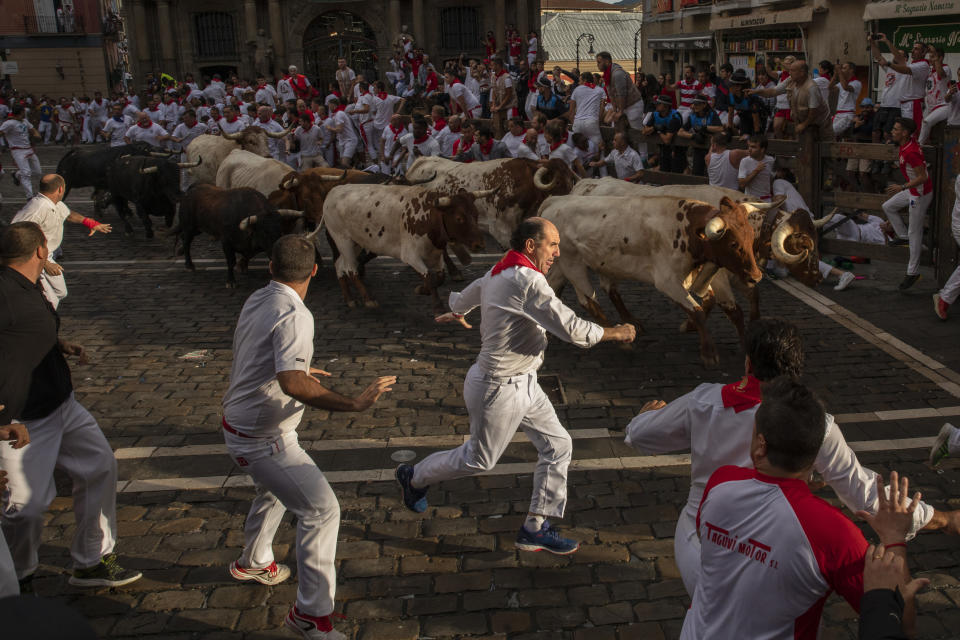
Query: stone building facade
{"points": [[250, 36]]}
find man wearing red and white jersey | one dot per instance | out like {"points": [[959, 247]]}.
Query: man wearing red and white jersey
{"points": [[772, 552], [687, 89], [715, 422], [911, 103], [915, 195], [938, 84]]}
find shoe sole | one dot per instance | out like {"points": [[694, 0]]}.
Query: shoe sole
{"points": [[522, 546], [244, 577], [102, 582]]}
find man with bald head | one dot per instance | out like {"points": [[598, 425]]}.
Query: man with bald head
{"points": [[501, 390], [145, 130], [807, 106], [49, 212]]}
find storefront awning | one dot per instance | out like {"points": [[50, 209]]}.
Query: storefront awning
{"points": [[910, 9], [702, 40], [761, 20]]}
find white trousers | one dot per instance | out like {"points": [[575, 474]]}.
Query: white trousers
{"points": [[589, 128], [953, 444], [286, 478], [45, 128], [686, 548], [931, 120], [28, 166], [951, 288], [497, 408], [93, 127], [8, 574], [369, 140], [842, 122], [917, 208], [824, 269], [71, 440], [54, 287]]}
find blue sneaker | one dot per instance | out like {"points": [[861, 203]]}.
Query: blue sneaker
{"points": [[414, 499], [547, 539]]}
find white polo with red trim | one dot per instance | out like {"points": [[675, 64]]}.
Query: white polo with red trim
{"points": [[771, 553]]}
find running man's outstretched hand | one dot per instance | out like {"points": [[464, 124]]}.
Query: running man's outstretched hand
{"points": [[16, 433], [450, 317], [372, 393]]}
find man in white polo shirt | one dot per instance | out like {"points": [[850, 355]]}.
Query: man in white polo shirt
{"points": [[16, 131], [270, 382]]}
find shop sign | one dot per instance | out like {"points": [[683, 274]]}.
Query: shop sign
{"points": [[755, 20], [910, 9], [945, 36], [9, 68]]}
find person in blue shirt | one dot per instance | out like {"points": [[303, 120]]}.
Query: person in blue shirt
{"points": [[549, 103], [45, 127], [750, 108], [703, 123], [666, 122]]}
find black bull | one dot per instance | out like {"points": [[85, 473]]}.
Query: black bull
{"points": [[88, 167], [151, 184]]}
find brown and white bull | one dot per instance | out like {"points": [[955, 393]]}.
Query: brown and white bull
{"points": [[790, 237], [675, 244], [243, 169], [215, 149], [521, 186], [410, 223], [308, 189]]}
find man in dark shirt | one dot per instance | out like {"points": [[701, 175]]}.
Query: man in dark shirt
{"points": [[37, 391]]}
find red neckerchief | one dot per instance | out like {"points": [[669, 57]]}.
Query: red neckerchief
{"points": [[741, 395], [99, 102], [457, 148], [455, 81], [300, 83], [485, 149], [501, 73], [439, 124], [156, 108], [145, 126], [262, 121], [425, 137], [233, 119], [396, 132], [382, 95], [607, 73], [589, 84], [307, 128], [261, 86], [554, 145], [513, 259], [532, 82]]}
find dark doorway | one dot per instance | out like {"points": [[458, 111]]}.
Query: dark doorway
{"points": [[338, 34], [225, 71]]}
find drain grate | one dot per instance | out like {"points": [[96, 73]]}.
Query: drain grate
{"points": [[553, 387]]}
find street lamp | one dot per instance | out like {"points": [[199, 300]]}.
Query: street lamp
{"points": [[589, 37], [636, 40]]}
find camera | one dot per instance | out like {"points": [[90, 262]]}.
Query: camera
{"points": [[876, 36]]}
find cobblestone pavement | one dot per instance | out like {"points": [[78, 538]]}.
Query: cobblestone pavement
{"points": [[451, 572]]}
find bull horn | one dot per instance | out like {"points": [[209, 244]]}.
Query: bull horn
{"points": [[773, 204], [332, 178], [716, 228], [313, 234], [158, 154], [230, 136], [444, 201], [483, 193], [279, 134], [702, 282], [146, 170], [430, 179], [538, 180], [291, 213], [290, 184], [778, 244], [187, 165], [127, 155], [246, 222], [825, 219]]}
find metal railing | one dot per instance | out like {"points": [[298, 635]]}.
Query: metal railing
{"points": [[60, 22]]}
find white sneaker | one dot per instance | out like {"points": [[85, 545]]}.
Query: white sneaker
{"points": [[274, 574], [845, 279], [941, 448], [312, 628]]}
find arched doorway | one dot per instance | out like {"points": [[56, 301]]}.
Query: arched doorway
{"points": [[338, 34]]}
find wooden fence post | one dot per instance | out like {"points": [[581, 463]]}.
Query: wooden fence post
{"points": [[809, 178]]}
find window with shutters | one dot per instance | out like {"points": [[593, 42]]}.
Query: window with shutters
{"points": [[460, 28], [216, 35]]}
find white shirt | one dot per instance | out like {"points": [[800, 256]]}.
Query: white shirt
{"points": [[274, 334], [626, 163], [171, 114], [721, 172], [589, 155], [794, 200], [65, 114], [512, 142], [285, 90], [116, 130], [532, 45], [824, 85], [16, 132], [136, 133], [48, 216], [524, 151], [458, 91], [954, 102], [189, 134], [370, 101], [937, 87], [236, 126], [157, 114], [428, 147], [277, 146], [870, 232], [917, 87], [847, 98], [216, 91], [760, 186], [566, 153], [589, 102], [518, 308], [385, 109], [131, 110], [894, 85], [341, 119], [267, 95], [98, 110], [310, 140], [391, 140]]}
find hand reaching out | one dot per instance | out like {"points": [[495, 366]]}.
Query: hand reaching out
{"points": [[894, 515], [451, 317]]}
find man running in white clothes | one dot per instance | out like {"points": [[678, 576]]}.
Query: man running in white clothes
{"points": [[501, 390], [951, 289], [270, 382], [17, 131], [715, 421]]}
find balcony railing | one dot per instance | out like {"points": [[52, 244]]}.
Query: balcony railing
{"points": [[60, 22]]}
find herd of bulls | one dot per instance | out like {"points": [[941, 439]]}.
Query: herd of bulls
{"points": [[686, 241]]}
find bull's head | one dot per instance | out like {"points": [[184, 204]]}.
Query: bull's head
{"points": [[555, 178], [728, 239], [459, 216], [794, 244], [252, 139]]}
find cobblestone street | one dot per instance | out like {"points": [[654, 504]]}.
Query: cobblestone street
{"points": [[159, 341]]}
